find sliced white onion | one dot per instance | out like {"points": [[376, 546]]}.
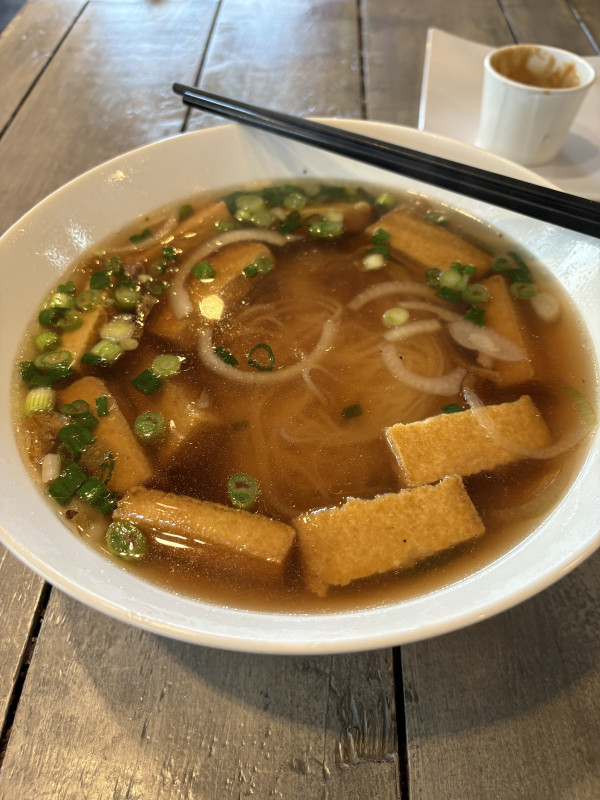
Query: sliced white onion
{"points": [[546, 306], [166, 230], [447, 384], [179, 299], [440, 311], [389, 287], [216, 363], [485, 340], [51, 467], [566, 442], [412, 329]]}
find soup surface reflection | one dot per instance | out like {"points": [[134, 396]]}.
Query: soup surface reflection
{"points": [[304, 397]]}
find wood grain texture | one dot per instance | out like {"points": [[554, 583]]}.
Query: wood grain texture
{"points": [[30, 41], [394, 37], [107, 90], [552, 22], [587, 12], [129, 714], [511, 707], [20, 591]]}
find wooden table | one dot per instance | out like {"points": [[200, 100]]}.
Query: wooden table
{"points": [[92, 708]]}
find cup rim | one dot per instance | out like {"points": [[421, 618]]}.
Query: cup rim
{"points": [[583, 67]]}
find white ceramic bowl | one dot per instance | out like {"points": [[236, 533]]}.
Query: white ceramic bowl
{"points": [[47, 239]]}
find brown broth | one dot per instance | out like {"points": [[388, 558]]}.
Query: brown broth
{"points": [[302, 450]]}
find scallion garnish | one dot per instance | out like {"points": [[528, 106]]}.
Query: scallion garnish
{"points": [[226, 356], [125, 540], [452, 278], [433, 277], [104, 353], [64, 487], [166, 365], [242, 490], [324, 228], [373, 260], [88, 299], [258, 266], [33, 376], [263, 366], [476, 315], [523, 290], [184, 212], [67, 288], [77, 437], [60, 299], [120, 327], [352, 411], [94, 492], [100, 279], [380, 237], [385, 199], [139, 237], [41, 398], [437, 217], [150, 427], [128, 296], [475, 293], [204, 271], [61, 359], [76, 408], [46, 340], [147, 382], [102, 405], [451, 408], [155, 288], [395, 316], [169, 253]]}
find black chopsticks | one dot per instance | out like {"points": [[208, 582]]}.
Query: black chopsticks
{"points": [[565, 210]]}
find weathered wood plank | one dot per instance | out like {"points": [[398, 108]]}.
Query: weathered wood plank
{"points": [[129, 714], [30, 41], [394, 37], [511, 707], [551, 22], [302, 58], [20, 591], [106, 91]]}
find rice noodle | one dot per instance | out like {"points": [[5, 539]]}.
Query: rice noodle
{"points": [[179, 299], [216, 364], [448, 384], [412, 329], [566, 442], [485, 340], [390, 287], [166, 230], [440, 311]]}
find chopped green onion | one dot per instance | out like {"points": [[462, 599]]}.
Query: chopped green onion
{"points": [[75, 408], [139, 237], [372, 261], [166, 365], [204, 271], [242, 490], [226, 356], [326, 228], [88, 299], [395, 316], [118, 328], [224, 225], [380, 237], [501, 264], [64, 487], [475, 293], [451, 408], [46, 340], [107, 467], [433, 277], [451, 295], [522, 273], [49, 316], [249, 202], [67, 288], [114, 265], [150, 427], [185, 212], [41, 398], [253, 362], [147, 382], [53, 359], [69, 320], [98, 495], [155, 288], [102, 405], [385, 199], [584, 408], [523, 290], [127, 297], [452, 279], [60, 300], [476, 315], [169, 253], [125, 540], [295, 201], [76, 437], [33, 376], [100, 279], [104, 353], [258, 266], [438, 217], [352, 411]]}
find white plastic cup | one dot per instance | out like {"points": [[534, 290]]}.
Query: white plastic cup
{"points": [[531, 94]]}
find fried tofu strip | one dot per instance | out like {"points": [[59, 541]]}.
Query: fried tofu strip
{"points": [[423, 244], [211, 300], [459, 444], [186, 418], [392, 531], [83, 338], [223, 538], [356, 215], [112, 434], [502, 315]]}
